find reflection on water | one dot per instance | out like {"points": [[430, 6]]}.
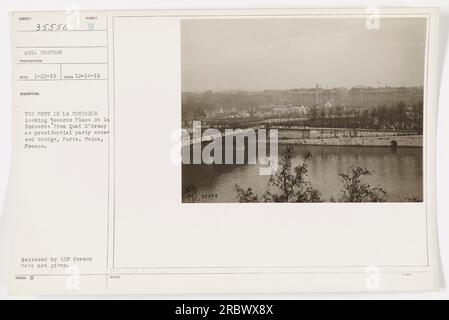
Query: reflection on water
{"points": [[399, 171]]}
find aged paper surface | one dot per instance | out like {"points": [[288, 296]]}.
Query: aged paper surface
{"points": [[225, 151]]}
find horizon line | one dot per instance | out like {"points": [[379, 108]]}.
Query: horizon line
{"points": [[302, 88]]}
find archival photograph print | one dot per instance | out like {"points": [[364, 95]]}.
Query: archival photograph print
{"points": [[302, 109]]}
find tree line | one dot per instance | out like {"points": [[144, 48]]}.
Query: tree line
{"points": [[398, 116]]}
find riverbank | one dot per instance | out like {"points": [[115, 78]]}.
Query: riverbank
{"points": [[379, 141]]}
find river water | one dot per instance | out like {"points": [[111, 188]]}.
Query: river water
{"points": [[398, 171]]}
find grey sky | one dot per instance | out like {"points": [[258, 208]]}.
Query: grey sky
{"points": [[258, 54]]}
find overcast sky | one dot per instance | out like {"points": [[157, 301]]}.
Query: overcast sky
{"points": [[258, 54]]}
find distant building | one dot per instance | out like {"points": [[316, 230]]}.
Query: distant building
{"points": [[373, 97]]}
